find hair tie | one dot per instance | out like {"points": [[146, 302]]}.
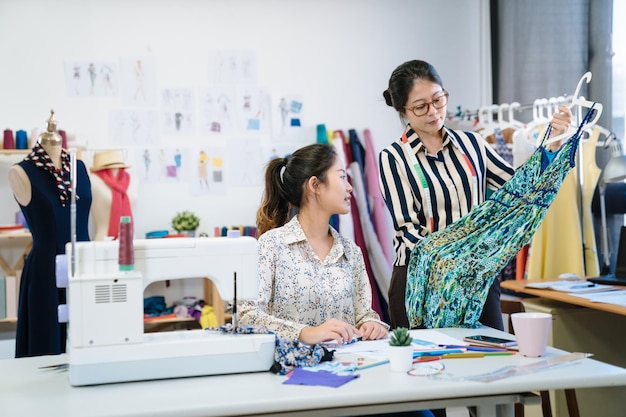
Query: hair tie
{"points": [[282, 171]]}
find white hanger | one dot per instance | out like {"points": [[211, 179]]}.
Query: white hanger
{"points": [[581, 102], [512, 120], [485, 119], [538, 121]]}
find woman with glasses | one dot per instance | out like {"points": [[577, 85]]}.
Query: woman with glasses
{"points": [[432, 176]]}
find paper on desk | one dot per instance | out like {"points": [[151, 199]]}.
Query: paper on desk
{"points": [[509, 371], [617, 297], [571, 287], [423, 339]]}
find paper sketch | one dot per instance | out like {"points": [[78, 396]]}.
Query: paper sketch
{"points": [[287, 117], [217, 110], [209, 171], [138, 81], [95, 79], [164, 165], [232, 67], [133, 127], [247, 165], [177, 110], [253, 109]]}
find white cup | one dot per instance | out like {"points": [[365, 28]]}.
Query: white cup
{"points": [[532, 331]]}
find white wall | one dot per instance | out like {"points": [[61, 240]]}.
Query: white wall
{"points": [[337, 54]]}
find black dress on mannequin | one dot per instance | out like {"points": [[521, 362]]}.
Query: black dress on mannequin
{"points": [[38, 330]]}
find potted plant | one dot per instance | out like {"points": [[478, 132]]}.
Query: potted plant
{"points": [[400, 350], [186, 221]]}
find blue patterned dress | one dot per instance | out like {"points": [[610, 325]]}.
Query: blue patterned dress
{"points": [[450, 271]]}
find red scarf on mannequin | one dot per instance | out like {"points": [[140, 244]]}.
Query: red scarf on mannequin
{"points": [[120, 203]]}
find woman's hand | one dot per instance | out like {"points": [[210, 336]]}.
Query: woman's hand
{"points": [[371, 330], [561, 121], [332, 329]]}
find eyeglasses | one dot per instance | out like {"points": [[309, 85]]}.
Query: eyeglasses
{"points": [[438, 103]]}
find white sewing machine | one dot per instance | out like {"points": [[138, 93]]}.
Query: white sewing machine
{"points": [[106, 342]]}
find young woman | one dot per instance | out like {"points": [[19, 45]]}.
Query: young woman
{"points": [[313, 286], [432, 176]]}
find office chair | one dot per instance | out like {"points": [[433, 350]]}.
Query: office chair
{"points": [[514, 306]]}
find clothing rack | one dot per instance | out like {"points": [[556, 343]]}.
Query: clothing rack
{"points": [[541, 104]]}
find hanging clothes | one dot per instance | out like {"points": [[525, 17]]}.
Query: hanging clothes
{"points": [[591, 175], [378, 210], [346, 225], [558, 247], [359, 236], [450, 271]]}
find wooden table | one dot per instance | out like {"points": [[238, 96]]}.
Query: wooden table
{"points": [[520, 287], [19, 238]]}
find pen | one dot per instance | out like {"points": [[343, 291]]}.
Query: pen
{"points": [[437, 352], [353, 340], [586, 285], [477, 348], [234, 313], [463, 355], [372, 364], [475, 355], [427, 359]]}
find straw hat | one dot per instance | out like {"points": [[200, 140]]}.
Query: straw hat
{"points": [[107, 160]]}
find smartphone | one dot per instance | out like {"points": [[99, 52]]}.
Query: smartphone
{"points": [[490, 341]]}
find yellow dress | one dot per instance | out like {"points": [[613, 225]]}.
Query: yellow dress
{"points": [[557, 246]]}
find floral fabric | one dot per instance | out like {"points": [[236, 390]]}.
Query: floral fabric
{"points": [[298, 289], [451, 270]]}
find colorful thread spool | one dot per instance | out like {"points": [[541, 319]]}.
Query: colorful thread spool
{"points": [[9, 141], [63, 138], [126, 255], [21, 140]]}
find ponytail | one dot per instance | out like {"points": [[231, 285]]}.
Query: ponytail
{"points": [[284, 183], [274, 208]]}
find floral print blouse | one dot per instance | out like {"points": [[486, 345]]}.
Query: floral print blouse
{"points": [[298, 289]]}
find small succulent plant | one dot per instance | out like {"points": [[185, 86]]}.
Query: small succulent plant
{"points": [[185, 221], [400, 337]]}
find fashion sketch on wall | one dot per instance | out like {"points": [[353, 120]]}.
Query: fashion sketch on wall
{"points": [[94, 79], [133, 127], [138, 80]]}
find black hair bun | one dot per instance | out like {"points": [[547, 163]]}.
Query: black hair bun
{"points": [[387, 96]]}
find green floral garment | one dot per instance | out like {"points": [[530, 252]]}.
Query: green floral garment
{"points": [[450, 271]]}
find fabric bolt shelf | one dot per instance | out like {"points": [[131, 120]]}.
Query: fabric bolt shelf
{"points": [[450, 271]]}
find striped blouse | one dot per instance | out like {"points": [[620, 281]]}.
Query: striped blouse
{"points": [[450, 183]]}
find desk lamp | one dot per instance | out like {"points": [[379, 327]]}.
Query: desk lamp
{"points": [[615, 171]]}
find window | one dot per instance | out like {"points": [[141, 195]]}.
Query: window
{"points": [[619, 69]]}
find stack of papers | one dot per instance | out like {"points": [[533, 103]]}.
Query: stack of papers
{"points": [[571, 287]]}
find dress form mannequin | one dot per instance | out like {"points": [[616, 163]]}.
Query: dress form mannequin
{"points": [[110, 165], [41, 186]]}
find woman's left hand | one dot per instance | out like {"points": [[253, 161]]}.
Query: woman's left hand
{"points": [[561, 121], [371, 330]]}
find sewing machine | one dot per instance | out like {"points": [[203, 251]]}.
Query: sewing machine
{"points": [[106, 342]]}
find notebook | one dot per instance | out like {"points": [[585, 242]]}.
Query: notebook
{"points": [[619, 278]]}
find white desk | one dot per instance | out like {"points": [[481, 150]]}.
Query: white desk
{"points": [[26, 390]]}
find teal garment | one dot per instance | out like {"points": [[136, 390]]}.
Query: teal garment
{"points": [[450, 271]]}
